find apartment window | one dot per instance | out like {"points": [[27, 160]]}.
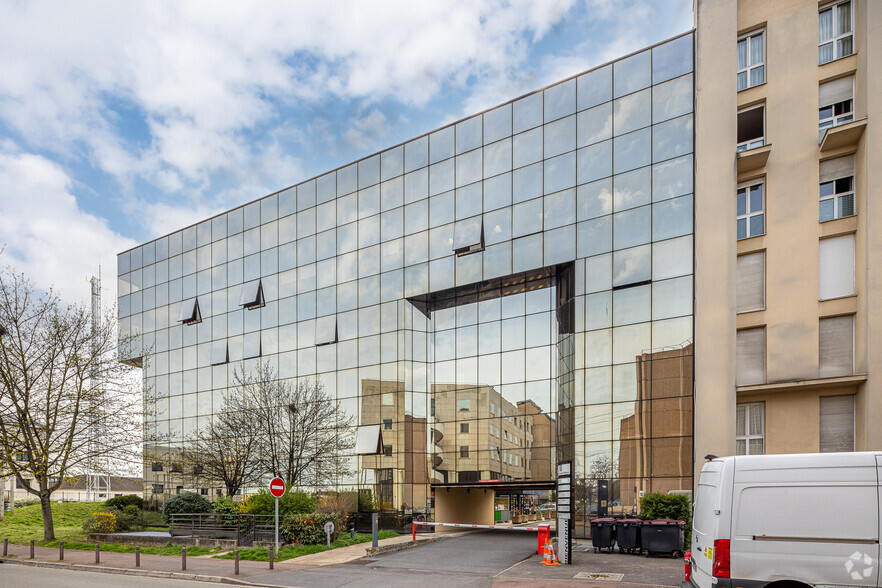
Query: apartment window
{"points": [[751, 219], [835, 103], [837, 424], [836, 267], [750, 356], [176, 468], [464, 451], [751, 60], [387, 424], [493, 451], [252, 295], [492, 409], [179, 489], [750, 288], [326, 330], [836, 346], [387, 450], [158, 488], [463, 405], [835, 35], [219, 353], [463, 427], [387, 399], [203, 491], [157, 467], [751, 128], [837, 188], [21, 456], [749, 427], [190, 313], [219, 492]]}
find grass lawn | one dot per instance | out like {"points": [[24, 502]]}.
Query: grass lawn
{"points": [[291, 551], [26, 523]]}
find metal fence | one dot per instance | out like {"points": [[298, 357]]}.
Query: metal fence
{"points": [[244, 528]]}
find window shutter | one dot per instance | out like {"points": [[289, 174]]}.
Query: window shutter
{"points": [[750, 356], [836, 265], [750, 286], [836, 91], [841, 167], [837, 424], [836, 346]]}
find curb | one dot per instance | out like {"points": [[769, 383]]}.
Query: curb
{"points": [[384, 549], [130, 572]]}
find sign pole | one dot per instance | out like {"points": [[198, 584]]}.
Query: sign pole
{"points": [[277, 489]]}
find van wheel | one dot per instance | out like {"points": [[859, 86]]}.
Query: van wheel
{"points": [[787, 584]]}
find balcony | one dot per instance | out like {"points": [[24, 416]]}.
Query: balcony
{"points": [[843, 136], [753, 159]]}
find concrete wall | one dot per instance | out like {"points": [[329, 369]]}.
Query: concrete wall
{"points": [[792, 387], [459, 505], [714, 229]]}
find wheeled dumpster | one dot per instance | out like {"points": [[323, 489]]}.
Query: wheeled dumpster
{"points": [[628, 535], [662, 536], [603, 534]]}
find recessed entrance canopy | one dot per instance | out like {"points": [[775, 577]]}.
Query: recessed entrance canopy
{"points": [[500, 486]]}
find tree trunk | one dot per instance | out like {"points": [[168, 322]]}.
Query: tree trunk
{"points": [[46, 507]]}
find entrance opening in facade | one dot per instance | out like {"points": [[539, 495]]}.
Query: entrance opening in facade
{"points": [[500, 371]]}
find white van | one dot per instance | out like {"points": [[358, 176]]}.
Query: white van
{"points": [[787, 521]]}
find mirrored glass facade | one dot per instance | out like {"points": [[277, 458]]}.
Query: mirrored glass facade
{"points": [[509, 291]]}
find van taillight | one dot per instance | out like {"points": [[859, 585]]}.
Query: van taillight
{"points": [[721, 558]]}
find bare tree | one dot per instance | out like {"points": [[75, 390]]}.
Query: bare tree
{"points": [[60, 382], [303, 434], [228, 448]]}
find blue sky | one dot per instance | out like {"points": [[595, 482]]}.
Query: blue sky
{"points": [[122, 121]]}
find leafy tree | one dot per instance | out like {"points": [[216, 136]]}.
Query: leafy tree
{"points": [[67, 406]]}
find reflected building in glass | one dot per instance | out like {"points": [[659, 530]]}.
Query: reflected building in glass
{"points": [[485, 301]]}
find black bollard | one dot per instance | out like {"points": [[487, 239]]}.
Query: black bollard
{"points": [[97, 554], [137, 556], [5, 546], [60, 550], [32, 549], [272, 553], [184, 558], [236, 565]]}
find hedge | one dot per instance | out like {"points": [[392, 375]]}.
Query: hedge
{"points": [[308, 529]]}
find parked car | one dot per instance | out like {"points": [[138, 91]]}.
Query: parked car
{"points": [[794, 520]]}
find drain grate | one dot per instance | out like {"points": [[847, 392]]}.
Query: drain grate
{"points": [[599, 576]]}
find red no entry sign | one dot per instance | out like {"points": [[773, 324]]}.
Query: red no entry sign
{"points": [[277, 487]]}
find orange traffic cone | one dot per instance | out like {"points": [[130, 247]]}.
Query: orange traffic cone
{"points": [[549, 558]]}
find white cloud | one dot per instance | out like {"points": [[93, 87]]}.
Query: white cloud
{"points": [[364, 132], [47, 235]]}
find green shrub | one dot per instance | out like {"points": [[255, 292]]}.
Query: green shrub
{"points": [[120, 502], [100, 522], [129, 518], [186, 502], [655, 505], [308, 529], [29, 501], [226, 506], [292, 502]]}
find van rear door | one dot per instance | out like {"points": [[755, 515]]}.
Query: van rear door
{"points": [[706, 522]]}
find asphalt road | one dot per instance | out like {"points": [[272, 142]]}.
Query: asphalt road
{"points": [[19, 576], [469, 560]]}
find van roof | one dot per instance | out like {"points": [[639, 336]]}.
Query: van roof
{"points": [[798, 460]]}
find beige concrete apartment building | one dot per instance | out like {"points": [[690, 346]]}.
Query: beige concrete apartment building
{"points": [[787, 323]]}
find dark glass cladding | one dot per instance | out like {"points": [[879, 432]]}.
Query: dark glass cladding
{"points": [[489, 299]]}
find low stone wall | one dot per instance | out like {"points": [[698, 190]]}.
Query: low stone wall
{"points": [[156, 541]]}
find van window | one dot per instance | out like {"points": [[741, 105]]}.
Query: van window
{"points": [[709, 499], [816, 512]]}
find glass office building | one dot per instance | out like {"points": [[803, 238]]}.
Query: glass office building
{"points": [[504, 293]]}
